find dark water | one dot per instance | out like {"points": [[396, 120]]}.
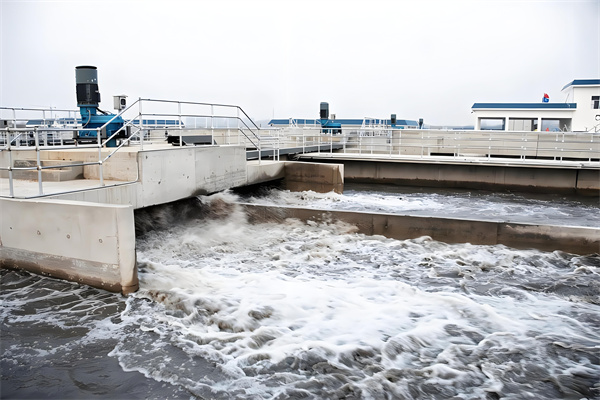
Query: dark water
{"points": [[230, 310]]}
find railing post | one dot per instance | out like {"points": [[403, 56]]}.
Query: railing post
{"points": [[400, 142], [360, 144], [180, 127], [562, 147], [237, 121], [319, 142], [39, 161], [100, 171], [141, 117], [331, 143], [303, 142], [591, 146], [179, 113], [525, 145], [10, 164]]}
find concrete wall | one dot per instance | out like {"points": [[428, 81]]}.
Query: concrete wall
{"points": [[318, 177], [169, 174], [93, 244], [521, 236], [264, 171], [472, 176]]}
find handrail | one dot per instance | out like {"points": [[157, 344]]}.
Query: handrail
{"points": [[206, 104], [37, 109], [372, 141], [212, 116], [20, 129]]}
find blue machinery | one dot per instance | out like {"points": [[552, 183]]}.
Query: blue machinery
{"points": [[327, 125], [92, 118]]}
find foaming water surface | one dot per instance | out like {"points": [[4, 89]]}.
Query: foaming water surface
{"points": [[232, 310], [496, 206]]}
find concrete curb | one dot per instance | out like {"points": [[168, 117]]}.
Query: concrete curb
{"points": [[576, 240]]}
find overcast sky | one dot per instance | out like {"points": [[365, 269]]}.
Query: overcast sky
{"points": [[417, 59]]}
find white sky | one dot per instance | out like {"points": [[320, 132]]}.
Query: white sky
{"points": [[417, 59]]}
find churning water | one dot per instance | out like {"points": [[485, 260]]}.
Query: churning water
{"points": [[232, 310], [494, 206]]}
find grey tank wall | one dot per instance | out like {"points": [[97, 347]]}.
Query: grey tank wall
{"points": [[576, 240], [472, 176], [88, 243]]}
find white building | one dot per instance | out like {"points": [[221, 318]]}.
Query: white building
{"points": [[579, 113]]}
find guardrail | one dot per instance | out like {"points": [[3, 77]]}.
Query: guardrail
{"points": [[53, 131], [518, 146], [150, 120]]}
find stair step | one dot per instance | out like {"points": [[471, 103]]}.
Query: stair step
{"points": [[62, 172]]}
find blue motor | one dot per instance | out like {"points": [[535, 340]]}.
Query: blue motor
{"points": [[327, 125], [88, 100]]}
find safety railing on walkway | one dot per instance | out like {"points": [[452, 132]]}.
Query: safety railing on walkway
{"points": [[34, 137], [150, 122], [414, 143]]}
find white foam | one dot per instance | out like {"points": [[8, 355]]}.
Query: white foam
{"points": [[496, 207], [232, 310], [268, 292]]}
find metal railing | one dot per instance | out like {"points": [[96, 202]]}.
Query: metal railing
{"points": [[150, 121], [55, 132], [514, 146]]}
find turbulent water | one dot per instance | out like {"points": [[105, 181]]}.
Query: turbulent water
{"points": [[232, 310], [493, 206]]}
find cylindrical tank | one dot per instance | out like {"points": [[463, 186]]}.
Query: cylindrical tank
{"points": [[86, 79], [324, 114]]}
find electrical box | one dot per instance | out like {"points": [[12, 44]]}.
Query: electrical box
{"points": [[120, 102]]}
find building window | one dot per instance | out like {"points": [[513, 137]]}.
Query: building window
{"points": [[596, 102]]}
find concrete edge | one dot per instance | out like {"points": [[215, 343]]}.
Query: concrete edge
{"points": [[83, 242], [576, 240], [66, 268], [318, 177]]}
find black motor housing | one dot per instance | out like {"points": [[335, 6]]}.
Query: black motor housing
{"points": [[324, 110], [86, 79]]}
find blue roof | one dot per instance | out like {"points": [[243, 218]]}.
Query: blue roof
{"points": [[526, 106], [582, 82], [358, 122]]}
